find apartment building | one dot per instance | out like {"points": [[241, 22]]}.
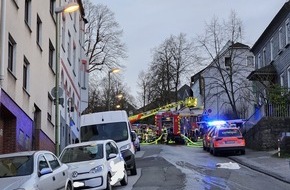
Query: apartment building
{"points": [[28, 74]]}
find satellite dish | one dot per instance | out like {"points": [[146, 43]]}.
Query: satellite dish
{"points": [[53, 92]]}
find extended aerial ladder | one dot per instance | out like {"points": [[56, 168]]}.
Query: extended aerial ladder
{"points": [[188, 102]]}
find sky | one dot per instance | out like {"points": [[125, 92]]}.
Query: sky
{"points": [[147, 23]]}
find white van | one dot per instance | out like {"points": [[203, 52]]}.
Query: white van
{"points": [[113, 125]]}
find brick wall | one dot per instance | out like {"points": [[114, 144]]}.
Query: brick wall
{"points": [[265, 134]]}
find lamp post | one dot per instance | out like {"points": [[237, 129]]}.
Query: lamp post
{"points": [[71, 7], [115, 70]]}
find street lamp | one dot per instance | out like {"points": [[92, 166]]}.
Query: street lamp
{"points": [[115, 70], [71, 7]]}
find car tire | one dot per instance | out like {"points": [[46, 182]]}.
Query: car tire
{"points": [[133, 171], [109, 186], [124, 181]]}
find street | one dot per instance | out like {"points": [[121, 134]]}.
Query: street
{"points": [[181, 167]]}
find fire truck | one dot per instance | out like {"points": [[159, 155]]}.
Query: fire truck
{"points": [[177, 125], [177, 122]]}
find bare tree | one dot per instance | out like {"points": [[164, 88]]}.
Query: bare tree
{"points": [[226, 82], [102, 38], [172, 61], [143, 83]]}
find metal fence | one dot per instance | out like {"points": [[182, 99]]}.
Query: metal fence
{"points": [[266, 110]]}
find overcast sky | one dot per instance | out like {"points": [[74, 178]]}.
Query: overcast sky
{"points": [[147, 23]]}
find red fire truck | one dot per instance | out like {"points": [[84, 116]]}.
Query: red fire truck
{"points": [[177, 125]]}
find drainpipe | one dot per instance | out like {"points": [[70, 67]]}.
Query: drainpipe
{"points": [[2, 40]]}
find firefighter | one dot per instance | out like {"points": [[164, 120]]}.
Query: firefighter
{"points": [[164, 134]]}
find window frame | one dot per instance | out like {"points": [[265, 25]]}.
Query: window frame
{"points": [[27, 12], [25, 77], [38, 30], [11, 57]]}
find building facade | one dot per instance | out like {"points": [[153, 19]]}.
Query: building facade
{"points": [[223, 82], [27, 73]]}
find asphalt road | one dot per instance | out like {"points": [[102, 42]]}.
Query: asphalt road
{"points": [[163, 167]]}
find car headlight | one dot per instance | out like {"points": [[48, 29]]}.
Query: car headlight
{"points": [[125, 147], [97, 169]]}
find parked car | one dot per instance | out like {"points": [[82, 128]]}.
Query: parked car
{"points": [[227, 139], [136, 141], [33, 170], [95, 164]]}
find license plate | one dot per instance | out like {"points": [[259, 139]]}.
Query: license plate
{"points": [[230, 142]]}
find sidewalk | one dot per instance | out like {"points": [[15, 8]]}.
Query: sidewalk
{"points": [[264, 162]]}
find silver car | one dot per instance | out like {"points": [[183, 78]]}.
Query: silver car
{"points": [[33, 170]]}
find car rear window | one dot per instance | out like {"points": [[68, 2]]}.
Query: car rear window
{"points": [[229, 133]]}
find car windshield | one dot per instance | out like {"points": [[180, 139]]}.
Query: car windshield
{"points": [[116, 131], [82, 153], [16, 166], [229, 133]]}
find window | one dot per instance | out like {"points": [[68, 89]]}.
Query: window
{"points": [[49, 107], [63, 34], [250, 61], [74, 58], [27, 12], [282, 82], [227, 61], [259, 61], [288, 78], [38, 31], [25, 74], [280, 39], [11, 54], [52, 7], [51, 55], [264, 63], [54, 164], [69, 48], [42, 163], [287, 31], [271, 49]]}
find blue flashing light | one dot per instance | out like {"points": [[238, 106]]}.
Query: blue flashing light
{"points": [[216, 123]]}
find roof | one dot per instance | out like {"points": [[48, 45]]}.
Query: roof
{"points": [[274, 24], [263, 74]]}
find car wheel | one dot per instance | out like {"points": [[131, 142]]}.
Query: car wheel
{"points": [[133, 171], [109, 186], [124, 181], [69, 186]]}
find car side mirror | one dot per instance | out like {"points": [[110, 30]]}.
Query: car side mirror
{"points": [[44, 171], [112, 155]]}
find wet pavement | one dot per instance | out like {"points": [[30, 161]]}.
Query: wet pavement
{"points": [[265, 162]]}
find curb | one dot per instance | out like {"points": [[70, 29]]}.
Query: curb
{"points": [[261, 170]]}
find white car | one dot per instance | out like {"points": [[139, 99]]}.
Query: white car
{"points": [[95, 164], [33, 170]]}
